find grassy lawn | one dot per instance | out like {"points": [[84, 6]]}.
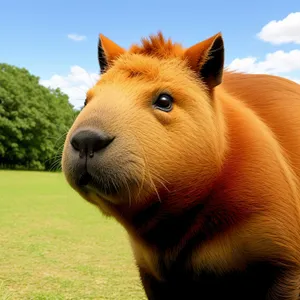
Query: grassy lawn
{"points": [[54, 245]]}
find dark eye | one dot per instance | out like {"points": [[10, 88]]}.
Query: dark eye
{"points": [[164, 102], [85, 102]]}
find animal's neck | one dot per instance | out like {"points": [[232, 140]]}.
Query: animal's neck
{"points": [[163, 228], [166, 229]]}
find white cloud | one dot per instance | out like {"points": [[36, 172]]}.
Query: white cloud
{"points": [[279, 62], [75, 84], [274, 63], [283, 31], [76, 37]]}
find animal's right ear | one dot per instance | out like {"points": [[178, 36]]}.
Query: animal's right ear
{"points": [[108, 51], [207, 60]]}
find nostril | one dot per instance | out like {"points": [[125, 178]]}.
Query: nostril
{"points": [[87, 142], [74, 144]]}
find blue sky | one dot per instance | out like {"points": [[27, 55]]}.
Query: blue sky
{"points": [[34, 34]]}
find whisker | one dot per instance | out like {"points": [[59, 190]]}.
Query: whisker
{"points": [[160, 180], [147, 170], [129, 193], [56, 166]]}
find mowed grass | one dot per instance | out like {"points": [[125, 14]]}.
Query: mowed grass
{"points": [[54, 245]]}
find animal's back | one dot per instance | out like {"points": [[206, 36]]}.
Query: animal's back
{"points": [[276, 101]]}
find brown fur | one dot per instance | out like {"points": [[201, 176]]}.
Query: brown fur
{"points": [[210, 187]]}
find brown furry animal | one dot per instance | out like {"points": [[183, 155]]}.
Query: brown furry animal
{"points": [[201, 167]]}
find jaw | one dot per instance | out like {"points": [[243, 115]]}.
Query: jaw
{"points": [[105, 193], [104, 180], [130, 195], [124, 212]]}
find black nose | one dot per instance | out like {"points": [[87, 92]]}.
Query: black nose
{"points": [[87, 142]]}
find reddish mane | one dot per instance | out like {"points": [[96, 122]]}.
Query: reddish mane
{"points": [[158, 46]]}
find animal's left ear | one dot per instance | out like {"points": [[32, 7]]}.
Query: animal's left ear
{"points": [[207, 59], [108, 51]]}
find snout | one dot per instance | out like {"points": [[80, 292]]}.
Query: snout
{"points": [[87, 146], [87, 161], [86, 143], [98, 162]]}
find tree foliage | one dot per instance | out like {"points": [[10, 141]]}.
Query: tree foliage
{"points": [[33, 120]]}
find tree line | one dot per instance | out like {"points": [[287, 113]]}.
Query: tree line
{"points": [[34, 121]]}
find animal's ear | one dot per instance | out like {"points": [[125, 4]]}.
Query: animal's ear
{"points": [[107, 52], [207, 59]]}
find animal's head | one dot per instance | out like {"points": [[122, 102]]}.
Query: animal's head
{"points": [[150, 129]]}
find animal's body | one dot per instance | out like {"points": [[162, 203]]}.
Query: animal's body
{"points": [[201, 167]]}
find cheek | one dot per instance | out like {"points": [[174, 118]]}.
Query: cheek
{"points": [[183, 156]]}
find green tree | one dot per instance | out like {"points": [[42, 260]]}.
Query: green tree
{"points": [[33, 120]]}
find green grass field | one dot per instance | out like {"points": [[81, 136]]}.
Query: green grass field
{"points": [[54, 245]]}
